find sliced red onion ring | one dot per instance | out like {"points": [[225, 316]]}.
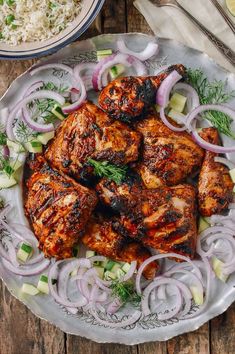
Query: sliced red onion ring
{"points": [[139, 67], [124, 323], [33, 87], [74, 106], [163, 93], [53, 274], [151, 50], [38, 127], [6, 152], [157, 257], [42, 94], [225, 162], [81, 67], [114, 306], [168, 124], [192, 95], [37, 69], [201, 142], [105, 64], [27, 271], [11, 251]]}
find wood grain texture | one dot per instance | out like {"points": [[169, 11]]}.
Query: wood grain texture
{"points": [[22, 332]]}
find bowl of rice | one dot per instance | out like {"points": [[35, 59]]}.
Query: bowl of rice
{"points": [[33, 28]]}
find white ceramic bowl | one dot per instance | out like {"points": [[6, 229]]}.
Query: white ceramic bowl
{"points": [[90, 9]]}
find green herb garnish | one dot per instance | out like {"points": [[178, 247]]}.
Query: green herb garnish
{"points": [[108, 170], [23, 132], [3, 138], [212, 93], [126, 292]]}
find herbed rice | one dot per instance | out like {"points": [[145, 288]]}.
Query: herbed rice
{"points": [[36, 20]]}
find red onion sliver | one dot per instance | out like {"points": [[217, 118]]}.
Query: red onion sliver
{"points": [[114, 306], [27, 271], [150, 50], [163, 93], [168, 124], [225, 162], [139, 67], [201, 142], [105, 64], [6, 152], [33, 87], [42, 94], [38, 127], [83, 95]]}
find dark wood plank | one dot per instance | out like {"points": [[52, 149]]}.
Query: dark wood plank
{"points": [[24, 333], [223, 333], [78, 345], [196, 342], [113, 16], [152, 348], [136, 22]]}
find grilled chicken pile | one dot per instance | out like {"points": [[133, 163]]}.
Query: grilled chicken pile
{"points": [[156, 206]]}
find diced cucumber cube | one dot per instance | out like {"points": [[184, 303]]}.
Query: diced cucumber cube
{"points": [[16, 164], [6, 181], [90, 254], [232, 174], [203, 225], [177, 102], [179, 118], [126, 267], [120, 273], [45, 137], [158, 108], [29, 289], [217, 265], [33, 146], [17, 147], [24, 252], [43, 284], [74, 273], [116, 71], [115, 268], [100, 271], [109, 265], [58, 113], [234, 189], [101, 54], [109, 275], [197, 295]]}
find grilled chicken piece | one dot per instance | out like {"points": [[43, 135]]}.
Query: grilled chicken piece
{"points": [[168, 157], [163, 218], [101, 238], [215, 187], [58, 209], [90, 133], [129, 98]]}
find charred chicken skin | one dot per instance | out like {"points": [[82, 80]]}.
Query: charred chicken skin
{"points": [[58, 209], [163, 218], [129, 98], [90, 133], [215, 187], [168, 157], [101, 238]]}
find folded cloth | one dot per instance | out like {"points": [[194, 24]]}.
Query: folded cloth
{"points": [[169, 22]]}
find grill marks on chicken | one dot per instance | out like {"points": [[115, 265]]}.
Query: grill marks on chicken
{"points": [[215, 186], [168, 157], [90, 133], [101, 238], [129, 98], [58, 209], [163, 218]]}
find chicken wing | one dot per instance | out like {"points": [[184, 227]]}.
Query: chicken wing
{"points": [[129, 98], [215, 187], [101, 238], [162, 218], [168, 157], [90, 133], [58, 209]]}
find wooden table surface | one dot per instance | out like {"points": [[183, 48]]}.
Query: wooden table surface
{"points": [[22, 333]]}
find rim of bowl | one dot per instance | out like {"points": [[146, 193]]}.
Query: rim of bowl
{"points": [[54, 48]]}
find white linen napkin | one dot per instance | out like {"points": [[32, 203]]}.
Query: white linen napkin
{"points": [[171, 23]]}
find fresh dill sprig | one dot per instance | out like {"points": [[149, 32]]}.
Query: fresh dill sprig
{"points": [[212, 93], [126, 292], [108, 170], [23, 132], [3, 138]]}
